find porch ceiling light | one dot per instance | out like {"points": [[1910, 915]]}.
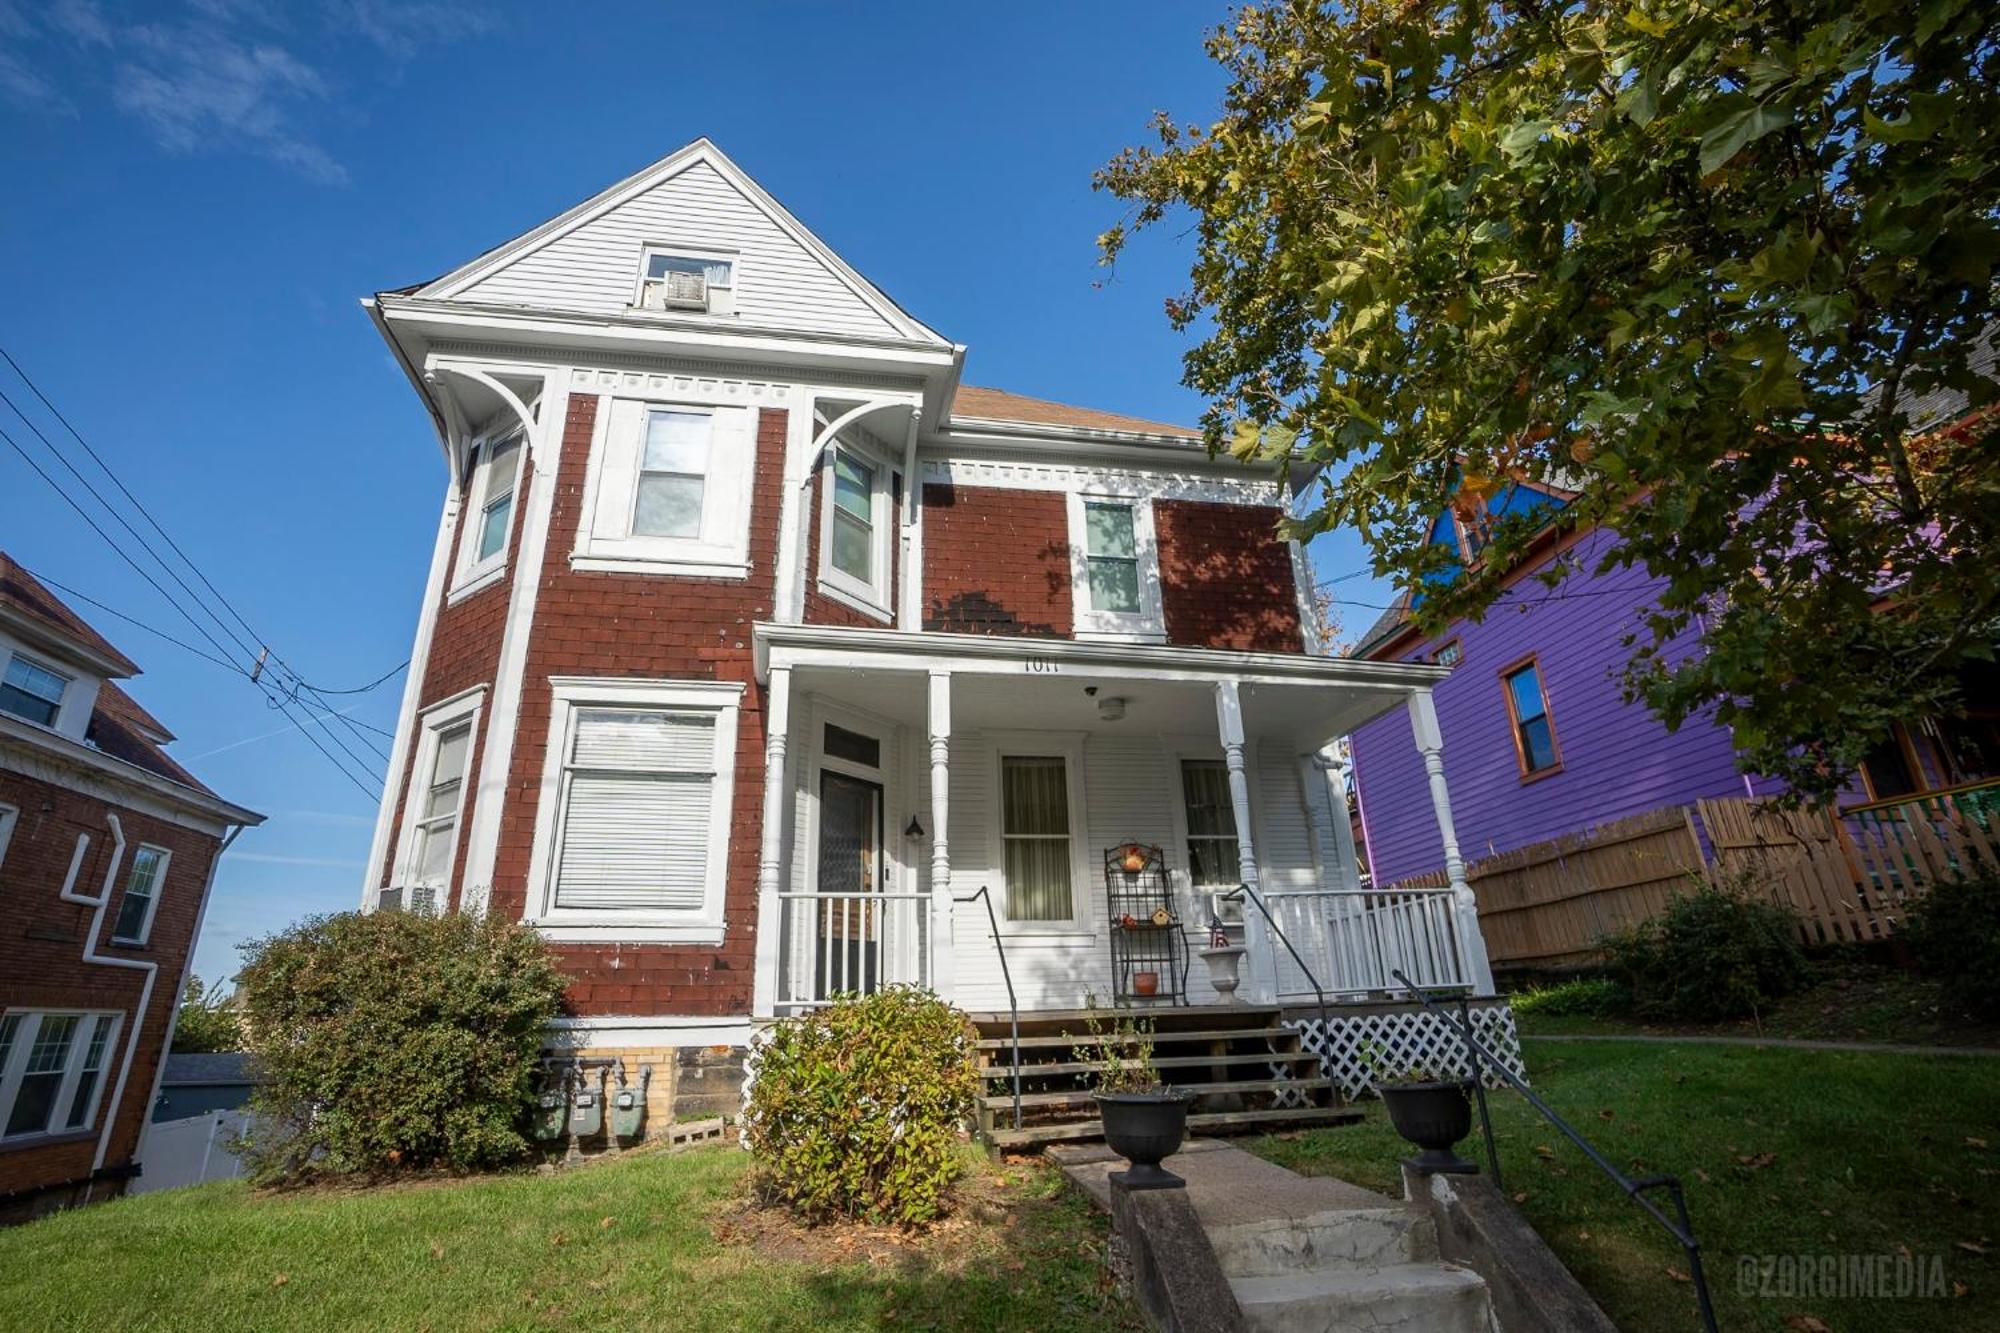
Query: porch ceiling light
{"points": [[1111, 708]]}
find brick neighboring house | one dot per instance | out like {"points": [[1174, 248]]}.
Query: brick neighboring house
{"points": [[753, 639], [107, 852]]}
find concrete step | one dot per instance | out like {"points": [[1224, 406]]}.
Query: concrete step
{"points": [[1343, 1237], [1410, 1298]]}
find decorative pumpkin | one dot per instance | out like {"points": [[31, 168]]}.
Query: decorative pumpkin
{"points": [[1135, 860]]}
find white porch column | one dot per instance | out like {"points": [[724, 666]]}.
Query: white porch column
{"points": [[1336, 768], [1256, 931], [943, 980], [771, 841], [1430, 743]]}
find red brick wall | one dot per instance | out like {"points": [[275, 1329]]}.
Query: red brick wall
{"points": [[614, 624], [821, 609], [42, 940], [465, 651], [996, 561], [1225, 577]]}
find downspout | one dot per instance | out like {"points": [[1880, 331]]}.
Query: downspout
{"points": [[174, 1018], [90, 955]]}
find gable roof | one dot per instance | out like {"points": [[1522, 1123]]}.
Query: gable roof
{"points": [[701, 152], [974, 403], [23, 595]]}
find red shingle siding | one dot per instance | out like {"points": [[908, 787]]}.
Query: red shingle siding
{"points": [[996, 561], [1225, 577], [41, 950], [655, 627]]}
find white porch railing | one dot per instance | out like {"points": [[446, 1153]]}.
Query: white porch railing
{"points": [[1355, 939], [837, 943]]}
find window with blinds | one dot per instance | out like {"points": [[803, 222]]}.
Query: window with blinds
{"points": [[1034, 835], [1213, 858], [638, 788]]}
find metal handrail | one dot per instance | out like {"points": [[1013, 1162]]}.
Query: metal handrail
{"points": [[1325, 1023], [1682, 1232], [1013, 1007]]}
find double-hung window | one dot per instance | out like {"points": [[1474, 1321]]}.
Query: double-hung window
{"points": [[435, 835], [1115, 575], [32, 691], [8, 817], [496, 476], [1035, 838], [52, 1069], [669, 490], [639, 783], [143, 884], [1528, 707], [1214, 859], [857, 522]]}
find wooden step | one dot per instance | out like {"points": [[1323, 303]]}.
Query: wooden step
{"points": [[1165, 1017], [1082, 1096], [1059, 1040], [1221, 1122], [1160, 1062]]}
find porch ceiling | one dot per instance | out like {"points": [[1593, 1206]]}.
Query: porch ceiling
{"points": [[1036, 684]]}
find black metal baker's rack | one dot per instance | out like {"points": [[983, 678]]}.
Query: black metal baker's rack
{"points": [[1146, 933]]}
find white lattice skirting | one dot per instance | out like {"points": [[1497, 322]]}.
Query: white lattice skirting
{"points": [[1397, 1036]]}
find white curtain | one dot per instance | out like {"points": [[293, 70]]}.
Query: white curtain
{"points": [[1035, 832]]}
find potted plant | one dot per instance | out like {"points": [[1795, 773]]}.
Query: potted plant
{"points": [[1144, 1119], [1428, 1108]]}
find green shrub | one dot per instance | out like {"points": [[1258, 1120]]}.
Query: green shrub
{"points": [[1954, 931], [206, 1022], [855, 1109], [1718, 953], [395, 1040], [1579, 997]]}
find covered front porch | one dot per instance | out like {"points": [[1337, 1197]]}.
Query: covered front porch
{"points": [[957, 811]]}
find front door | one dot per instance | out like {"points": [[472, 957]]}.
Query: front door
{"points": [[849, 948]]}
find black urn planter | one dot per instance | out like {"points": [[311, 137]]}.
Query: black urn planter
{"points": [[1434, 1116], [1145, 1128]]}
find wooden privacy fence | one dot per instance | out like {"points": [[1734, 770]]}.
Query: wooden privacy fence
{"points": [[1848, 875]]}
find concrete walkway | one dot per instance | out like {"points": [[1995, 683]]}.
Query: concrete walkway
{"points": [[1782, 1043], [1309, 1254]]}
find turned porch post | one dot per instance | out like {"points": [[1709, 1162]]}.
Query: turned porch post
{"points": [[771, 841], [1465, 909], [1256, 931], [942, 957]]}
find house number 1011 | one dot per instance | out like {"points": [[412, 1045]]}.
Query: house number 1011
{"points": [[1043, 666]]}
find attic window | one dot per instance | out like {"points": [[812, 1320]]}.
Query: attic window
{"points": [[31, 691], [699, 284]]}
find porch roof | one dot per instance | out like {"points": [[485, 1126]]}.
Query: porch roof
{"points": [[1313, 698]]}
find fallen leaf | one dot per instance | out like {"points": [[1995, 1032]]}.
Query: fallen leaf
{"points": [[1758, 1160], [1972, 1247], [1582, 1234], [558, 1239], [1677, 1275], [280, 1280], [1607, 1115], [437, 1250], [1520, 1196], [1702, 1176], [1959, 1289], [605, 1225], [1805, 1323], [1544, 1151], [1974, 1142]]}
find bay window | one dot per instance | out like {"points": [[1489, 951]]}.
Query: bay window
{"points": [[489, 526], [669, 490], [435, 805], [856, 527]]}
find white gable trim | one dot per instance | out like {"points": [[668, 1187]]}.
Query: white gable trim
{"points": [[699, 152]]}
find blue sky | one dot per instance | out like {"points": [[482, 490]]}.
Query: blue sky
{"points": [[198, 193]]}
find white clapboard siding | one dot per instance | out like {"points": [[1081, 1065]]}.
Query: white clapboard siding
{"points": [[595, 267], [1284, 842]]}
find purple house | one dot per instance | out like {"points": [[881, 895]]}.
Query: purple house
{"points": [[1541, 744]]}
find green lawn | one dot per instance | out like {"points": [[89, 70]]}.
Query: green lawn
{"points": [[616, 1245], [1782, 1152]]}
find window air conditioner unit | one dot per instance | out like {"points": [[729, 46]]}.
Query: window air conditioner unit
{"points": [[418, 898], [423, 901], [389, 900], [678, 290]]}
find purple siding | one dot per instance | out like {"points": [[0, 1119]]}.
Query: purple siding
{"points": [[1617, 759]]}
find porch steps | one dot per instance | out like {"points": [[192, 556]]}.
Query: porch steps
{"points": [[1243, 1069]]}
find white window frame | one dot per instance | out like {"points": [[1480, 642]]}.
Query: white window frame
{"points": [[698, 254], [1146, 625], [15, 1066], [604, 537], [152, 905], [68, 678], [1067, 746], [870, 596], [569, 694], [474, 573], [432, 724], [9, 816]]}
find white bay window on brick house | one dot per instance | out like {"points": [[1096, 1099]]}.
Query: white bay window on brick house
{"points": [[489, 523], [435, 805], [632, 834], [669, 489], [1114, 568], [856, 529], [52, 1068]]}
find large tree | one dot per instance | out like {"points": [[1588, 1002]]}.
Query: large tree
{"points": [[1696, 260]]}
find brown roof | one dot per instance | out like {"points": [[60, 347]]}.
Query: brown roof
{"points": [[23, 594], [118, 727], [999, 405]]}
